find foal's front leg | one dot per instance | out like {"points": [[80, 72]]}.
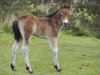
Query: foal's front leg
{"points": [[54, 47]]}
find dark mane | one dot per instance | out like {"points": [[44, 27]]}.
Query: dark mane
{"points": [[51, 14]]}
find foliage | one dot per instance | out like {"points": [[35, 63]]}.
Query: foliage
{"points": [[83, 21], [38, 10], [42, 10]]}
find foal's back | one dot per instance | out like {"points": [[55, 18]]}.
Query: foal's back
{"points": [[41, 26]]}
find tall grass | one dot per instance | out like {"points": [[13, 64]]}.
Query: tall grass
{"points": [[6, 25]]}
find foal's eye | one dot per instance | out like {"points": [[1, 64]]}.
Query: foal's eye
{"points": [[69, 14], [61, 14]]}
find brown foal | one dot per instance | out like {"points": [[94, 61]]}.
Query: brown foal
{"points": [[47, 27]]}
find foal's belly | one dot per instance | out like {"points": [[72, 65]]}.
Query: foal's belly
{"points": [[40, 36]]}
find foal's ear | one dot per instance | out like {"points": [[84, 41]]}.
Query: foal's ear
{"points": [[68, 7], [64, 6]]}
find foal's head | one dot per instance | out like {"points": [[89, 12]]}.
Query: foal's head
{"points": [[64, 14]]}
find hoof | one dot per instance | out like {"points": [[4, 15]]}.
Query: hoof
{"points": [[13, 67], [58, 69], [30, 72], [27, 68]]}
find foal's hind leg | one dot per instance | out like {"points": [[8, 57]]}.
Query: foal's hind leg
{"points": [[54, 47], [25, 52], [14, 51]]}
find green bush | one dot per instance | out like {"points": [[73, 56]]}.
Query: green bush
{"points": [[82, 23], [39, 10], [42, 10]]}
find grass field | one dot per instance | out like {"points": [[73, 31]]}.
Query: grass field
{"points": [[77, 56]]}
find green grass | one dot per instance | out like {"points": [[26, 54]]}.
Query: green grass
{"points": [[77, 56]]}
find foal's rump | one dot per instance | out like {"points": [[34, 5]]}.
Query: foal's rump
{"points": [[22, 27]]}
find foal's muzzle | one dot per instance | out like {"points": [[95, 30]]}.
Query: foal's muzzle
{"points": [[65, 24]]}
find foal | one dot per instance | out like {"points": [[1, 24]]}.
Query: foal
{"points": [[48, 27]]}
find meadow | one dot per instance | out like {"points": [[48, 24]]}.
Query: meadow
{"points": [[77, 56]]}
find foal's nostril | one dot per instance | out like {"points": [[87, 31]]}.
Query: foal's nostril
{"points": [[65, 24]]}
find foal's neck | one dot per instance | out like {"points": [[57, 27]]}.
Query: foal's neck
{"points": [[55, 18]]}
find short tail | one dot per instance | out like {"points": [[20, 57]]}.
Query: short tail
{"points": [[16, 31]]}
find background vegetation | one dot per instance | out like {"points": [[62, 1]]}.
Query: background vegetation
{"points": [[84, 20]]}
